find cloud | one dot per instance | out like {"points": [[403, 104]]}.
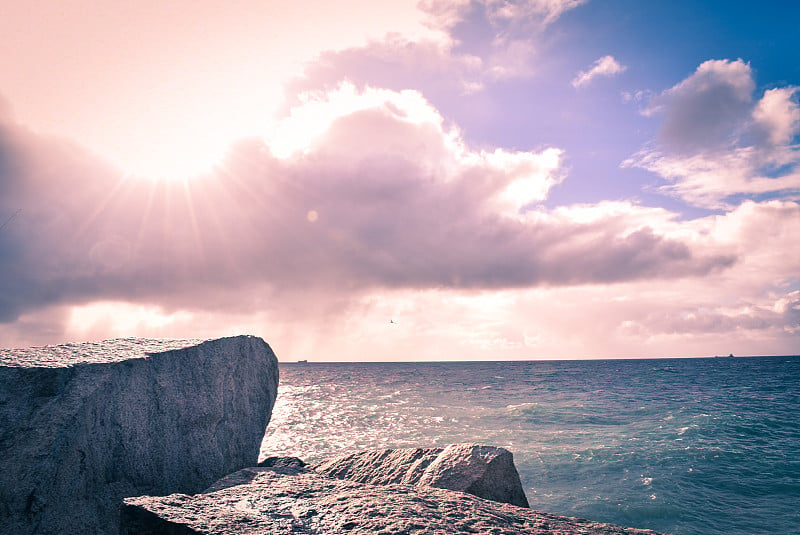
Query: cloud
{"points": [[447, 14], [722, 180], [528, 12], [777, 115], [411, 223], [706, 109], [517, 28], [605, 66], [750, 308], [478, 43], [392, 63], [718, 145], [401, 202], [755, 303]]}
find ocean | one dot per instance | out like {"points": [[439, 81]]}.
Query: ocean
{"points": [[681, 446]]}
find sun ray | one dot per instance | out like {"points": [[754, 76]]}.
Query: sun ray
{"points": [[99, 208], [190, 208]]}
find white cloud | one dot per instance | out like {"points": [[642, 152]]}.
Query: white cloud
{"points": [[778, 114], [307, 123], [605, 66], [718, 145], [518, 26], [716, 180], [546, 11], [514, 27]]}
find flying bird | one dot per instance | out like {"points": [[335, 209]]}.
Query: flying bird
{"points": [[7, 221]]}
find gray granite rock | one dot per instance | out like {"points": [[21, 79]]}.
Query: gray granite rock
{"points": [[84, 425], [485, 471], [261, 501], [380, 467]]}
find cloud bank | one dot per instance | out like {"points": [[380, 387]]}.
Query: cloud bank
{"points": [[364, 202], [379, 193]]}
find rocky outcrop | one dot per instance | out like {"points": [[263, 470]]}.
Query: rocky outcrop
{"points": [[282, 500], [484, 471], [84, 425]]}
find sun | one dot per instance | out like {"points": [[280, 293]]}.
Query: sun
{"points": [[173, 145], [184, 131], [179, 158]]}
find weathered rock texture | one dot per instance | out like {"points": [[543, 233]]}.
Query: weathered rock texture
{"points": [[485, 471], [84, 425], [261, 501]]}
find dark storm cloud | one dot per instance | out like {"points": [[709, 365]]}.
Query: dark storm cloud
{"points": [[366, 206]]}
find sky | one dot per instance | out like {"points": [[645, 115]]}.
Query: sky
{"points": [[403, 180]]}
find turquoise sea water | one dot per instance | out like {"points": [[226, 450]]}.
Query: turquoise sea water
{"points": [[682, 446]]}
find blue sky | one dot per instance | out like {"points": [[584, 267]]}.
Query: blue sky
{"points": [[659, 43], [504, 180]]}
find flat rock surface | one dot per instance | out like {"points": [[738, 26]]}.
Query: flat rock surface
{"points": [[105, 351], [484, 471], [84, 425], [261, 501]]}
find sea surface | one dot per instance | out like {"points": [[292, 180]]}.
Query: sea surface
{"points": [[681, 446]]}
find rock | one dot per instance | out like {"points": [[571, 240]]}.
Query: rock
{"points": [[271, 501], [281, 465], [380, 467], [283, 462], [484, 471], [84, 425]]}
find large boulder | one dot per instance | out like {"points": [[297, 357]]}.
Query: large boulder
{"points": [[276, 501], [484, 471], [84, 425]]}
